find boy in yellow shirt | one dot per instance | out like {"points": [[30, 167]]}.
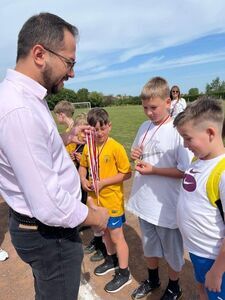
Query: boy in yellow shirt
{"points": [[64, 111], [114, 168]]}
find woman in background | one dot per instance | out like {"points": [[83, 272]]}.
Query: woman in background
{"points": [[178, 104]]}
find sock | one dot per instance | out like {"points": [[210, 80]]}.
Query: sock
{"points": [[153, 275], [112, 258], [124, 272], [98, 241], [173, 285]]}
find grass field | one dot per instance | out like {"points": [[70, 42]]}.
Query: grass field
{"points": [[125, 123]]}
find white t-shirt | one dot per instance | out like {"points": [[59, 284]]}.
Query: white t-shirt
{"points": [[154, 198], [177, 106], [199, 221]]}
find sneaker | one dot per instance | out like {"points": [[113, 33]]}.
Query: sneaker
{"points": [[145, 288], [3, 255], [170, 295], [107, 266], [118, 282], [99, 255], [90, 248]]}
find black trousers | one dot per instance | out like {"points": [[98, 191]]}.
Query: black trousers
{"points": [[55, 256]]}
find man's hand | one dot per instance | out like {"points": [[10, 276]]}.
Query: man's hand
{"points": [[97, 216]]}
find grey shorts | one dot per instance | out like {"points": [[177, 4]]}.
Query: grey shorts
{"points": [[163, 242]]}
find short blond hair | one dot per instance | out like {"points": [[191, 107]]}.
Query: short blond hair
{"points": [[80, 119], [156, 87], [65, 107], [203, 109]]}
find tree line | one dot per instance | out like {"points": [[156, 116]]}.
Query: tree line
{"points": [[215, 88]]}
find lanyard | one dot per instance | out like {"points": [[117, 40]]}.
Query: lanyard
{"points": [[157, 128]]}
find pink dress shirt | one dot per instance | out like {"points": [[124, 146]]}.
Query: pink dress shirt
{"points": [[37, 176]]}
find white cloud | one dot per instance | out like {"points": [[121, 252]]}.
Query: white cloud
{"points": [[155, 64], [115, 32]]}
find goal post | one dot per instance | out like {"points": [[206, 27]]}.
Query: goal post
{"points": [[81, 107]]}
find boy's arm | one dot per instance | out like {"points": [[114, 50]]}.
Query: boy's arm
{"points": [[213, 279], [86, 185], [214, 276], [118, 178], [147, 169]]}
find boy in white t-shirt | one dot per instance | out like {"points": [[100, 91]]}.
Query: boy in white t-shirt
{"points": [[161, 161], [201, 223]]}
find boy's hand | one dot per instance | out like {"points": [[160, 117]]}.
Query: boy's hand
{"points": [[77, 156], [136, 153], [144, 168], [72, 156], [86, 185], [213, 280], [100, 185]]}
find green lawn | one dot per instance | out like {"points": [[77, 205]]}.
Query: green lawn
{"points": [[125, 123]]}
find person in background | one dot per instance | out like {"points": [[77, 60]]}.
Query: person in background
{"points": [[64, 111], [38, 179], [178, 104]]}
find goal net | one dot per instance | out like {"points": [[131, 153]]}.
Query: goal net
{"points": [[81, 107]]}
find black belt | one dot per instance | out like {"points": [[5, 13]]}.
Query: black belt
{"points": [[23, 219], [26, 220]]}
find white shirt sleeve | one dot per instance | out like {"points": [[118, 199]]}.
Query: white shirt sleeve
{"points": [[25, 144]]}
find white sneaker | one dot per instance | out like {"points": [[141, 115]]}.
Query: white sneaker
{"points": [[3, 255]]}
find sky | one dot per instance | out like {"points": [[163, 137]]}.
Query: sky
{"points": [[124, 43]]}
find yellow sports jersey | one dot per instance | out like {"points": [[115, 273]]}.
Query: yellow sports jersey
{"points": [[72, 146], [112, 160]]}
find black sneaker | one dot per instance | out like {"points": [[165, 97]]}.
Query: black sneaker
{"points": [[170, 295], [118, 282], [90, 248], [145, 288], [107, 266], [97, 256]]}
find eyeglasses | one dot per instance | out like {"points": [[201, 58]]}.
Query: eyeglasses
{"points": [[69, 62], [175, 92]]}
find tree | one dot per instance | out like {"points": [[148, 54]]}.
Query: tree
{"points": [[193, 92], [216, 86], [96, 99], [82, 95], [63, 94]]}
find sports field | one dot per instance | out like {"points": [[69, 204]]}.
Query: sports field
{"points": [[125, 123]]}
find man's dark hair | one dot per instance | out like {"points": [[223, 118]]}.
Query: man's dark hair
{"points": [[45, 29], [96, 115]]}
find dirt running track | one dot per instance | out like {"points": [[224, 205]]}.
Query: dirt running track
{"points": [[16, 281]]}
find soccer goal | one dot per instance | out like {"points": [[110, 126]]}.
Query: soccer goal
{"points": [[81, 107]]}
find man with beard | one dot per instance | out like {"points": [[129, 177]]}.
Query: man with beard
{"points": [[37, 177]]}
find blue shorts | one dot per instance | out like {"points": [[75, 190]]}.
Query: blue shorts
{"points": [[116, 222], [201, 267]]}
